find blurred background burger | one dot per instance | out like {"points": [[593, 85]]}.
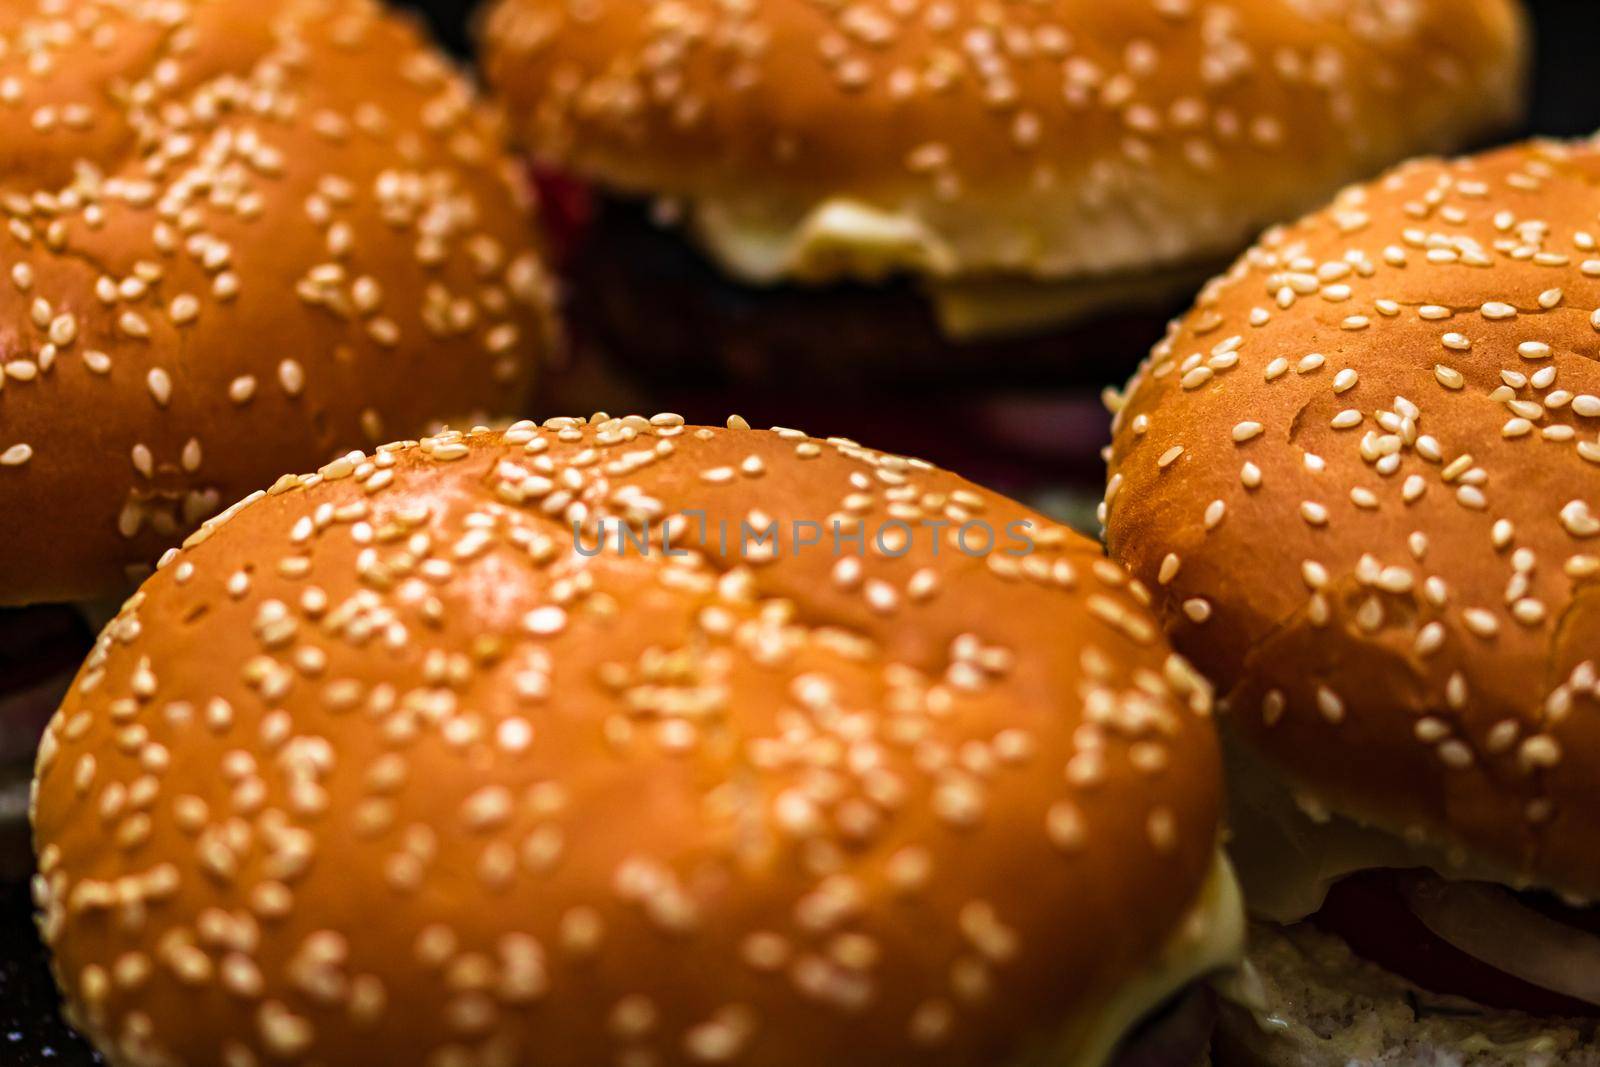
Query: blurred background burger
{"points": [[775, 192]]}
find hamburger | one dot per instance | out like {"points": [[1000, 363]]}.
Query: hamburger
{"points": [[897, 189], [235, 237], [512, 748], [1363, 478]]}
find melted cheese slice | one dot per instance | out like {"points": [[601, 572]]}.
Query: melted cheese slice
{"points": [[1000, 307], [1289, 850], [1210, 939], [837, 238], [848, 239]]}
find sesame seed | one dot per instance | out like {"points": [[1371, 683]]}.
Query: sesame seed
{"points": [[1330, 705], [1273, 705], [292, 377], [1431, 731], [545, 621], [160, 386], [134, 325], [1578, 521], [1539, 752]]}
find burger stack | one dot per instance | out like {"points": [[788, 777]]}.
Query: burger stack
{"points": [[906, 192], [557, 740], [1371, 507], [672, 803]]}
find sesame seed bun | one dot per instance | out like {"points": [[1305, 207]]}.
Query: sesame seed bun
{"points": [[436, 788], [1364, 476], [1055, 140], [239, 237]]}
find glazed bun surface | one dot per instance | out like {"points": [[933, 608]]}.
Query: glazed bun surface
{"points": [[1061, 139], [1364, 475], [380, 769], [239, 237]]}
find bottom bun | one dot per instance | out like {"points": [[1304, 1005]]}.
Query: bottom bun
{"points": [[1303, 999]]}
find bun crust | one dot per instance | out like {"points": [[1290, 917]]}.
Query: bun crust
{"points": [[1364, 475], [239, 237], [434, 789], [1060, 139]]}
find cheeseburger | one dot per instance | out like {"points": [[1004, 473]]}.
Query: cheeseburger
{"points": [[782, 186], [235, 236], [1363, 476], [627, 742]]}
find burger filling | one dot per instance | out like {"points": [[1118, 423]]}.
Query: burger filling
{"points": [[847, 238], [1364, 948], [1525, 952], [1304, 998], [637, 286]]}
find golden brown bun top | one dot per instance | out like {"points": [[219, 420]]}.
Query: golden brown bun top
{"points": [[1364, 473], [236, 238], [1161, 130], [381, 766]]}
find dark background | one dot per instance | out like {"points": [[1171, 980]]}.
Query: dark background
{"points": [[1566, 103], [1567, 82]]}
